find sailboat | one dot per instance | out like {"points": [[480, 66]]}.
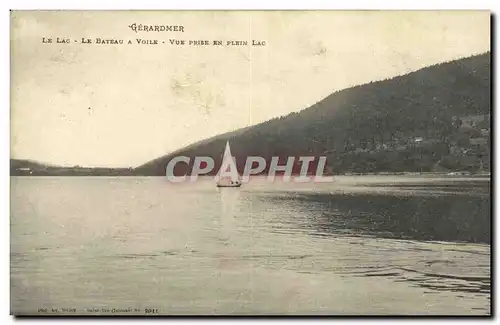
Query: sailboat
{"points": [[228, 174]]}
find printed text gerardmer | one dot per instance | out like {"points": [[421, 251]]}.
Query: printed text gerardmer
{"points": [[156, 28]]}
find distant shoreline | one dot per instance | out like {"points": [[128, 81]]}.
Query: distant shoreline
{"points": [[442, 174], [482, 174]]}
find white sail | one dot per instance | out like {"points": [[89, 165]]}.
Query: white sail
{"points": [[227, 153], [228, 173]]}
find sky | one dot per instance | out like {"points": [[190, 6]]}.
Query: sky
{"points": [[122, 105]]}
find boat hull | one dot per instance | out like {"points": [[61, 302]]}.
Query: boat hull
{"points": [[229, 185]]}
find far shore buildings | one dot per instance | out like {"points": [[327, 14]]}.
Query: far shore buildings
{"points": [[25, 170]]}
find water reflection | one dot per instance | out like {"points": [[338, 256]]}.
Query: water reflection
{"points": [[343, 248], [443, 218], [229, 199], [429, 241]]}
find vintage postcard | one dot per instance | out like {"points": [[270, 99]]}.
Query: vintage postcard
{"points": [[250, 163]]}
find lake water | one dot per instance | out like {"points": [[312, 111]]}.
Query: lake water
{"points": [[365, 245]]}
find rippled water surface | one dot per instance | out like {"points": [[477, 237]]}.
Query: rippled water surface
{"points": [[361, 245]]}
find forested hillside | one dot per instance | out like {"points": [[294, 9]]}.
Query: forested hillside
{"points": [[407, 123]]}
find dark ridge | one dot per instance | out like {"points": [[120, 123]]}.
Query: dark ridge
{"points": [[372, 127]]}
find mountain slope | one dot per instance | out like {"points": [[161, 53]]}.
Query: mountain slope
{"points": [[367, 128], [25, 163], [25, 167]]}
